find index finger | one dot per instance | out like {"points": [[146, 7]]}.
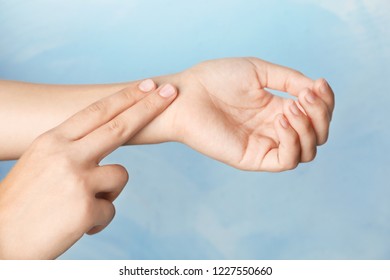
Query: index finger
{"points": [[280, 78], [120, 129], [100, 112]]}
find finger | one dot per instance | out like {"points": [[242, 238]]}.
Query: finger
{"points": [[317, 111], [287, 155], [95, 230], [103, 110], [280, 78], [119, 130], [109, 181], [302, 125], [104, 212], [325, 92]]}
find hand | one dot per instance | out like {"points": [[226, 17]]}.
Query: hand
{"points": [[57, 191], [225, 111]]}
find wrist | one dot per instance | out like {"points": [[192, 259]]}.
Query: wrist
{"points": [[164, 128]]}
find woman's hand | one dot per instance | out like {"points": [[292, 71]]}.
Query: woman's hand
{"points": [[226, 112], [57, 191]]}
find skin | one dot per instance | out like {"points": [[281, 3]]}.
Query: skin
{"points": [[224, 111], [57, 191]]}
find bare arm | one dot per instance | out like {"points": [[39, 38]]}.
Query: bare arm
{"points": [[224, 111], [27, 110]]}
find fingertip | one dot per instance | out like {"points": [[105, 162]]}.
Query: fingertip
{"points": [[167, 91], [322, 86], [304, 91], [310, 97], [147, 85]]}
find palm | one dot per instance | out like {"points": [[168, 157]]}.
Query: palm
{"points": [[228, 114]]}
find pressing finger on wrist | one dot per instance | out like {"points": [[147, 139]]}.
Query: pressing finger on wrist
{"points": [[124, 126], [103, 110]]}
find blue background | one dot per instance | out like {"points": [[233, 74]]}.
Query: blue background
{"points": [[182, 205]]}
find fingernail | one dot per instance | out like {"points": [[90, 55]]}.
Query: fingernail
{"points": [[283, 122], [146, 85], [294, 109], [167, 91], [310, 97]]}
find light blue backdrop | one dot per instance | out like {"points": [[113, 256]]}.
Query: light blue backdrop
{"points": [[182, 205]]}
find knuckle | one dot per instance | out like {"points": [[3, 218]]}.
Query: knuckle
{"points": [[292, 160], [97, 107], [149, 105], [54, 148], [302, 95], [291, 79], [322, 83], [128, 94], [68, 167], [44, 139], [76, 184], [47, 141], [117, 127]]}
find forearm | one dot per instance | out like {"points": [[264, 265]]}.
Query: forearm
{"points": [[27, 110]]}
